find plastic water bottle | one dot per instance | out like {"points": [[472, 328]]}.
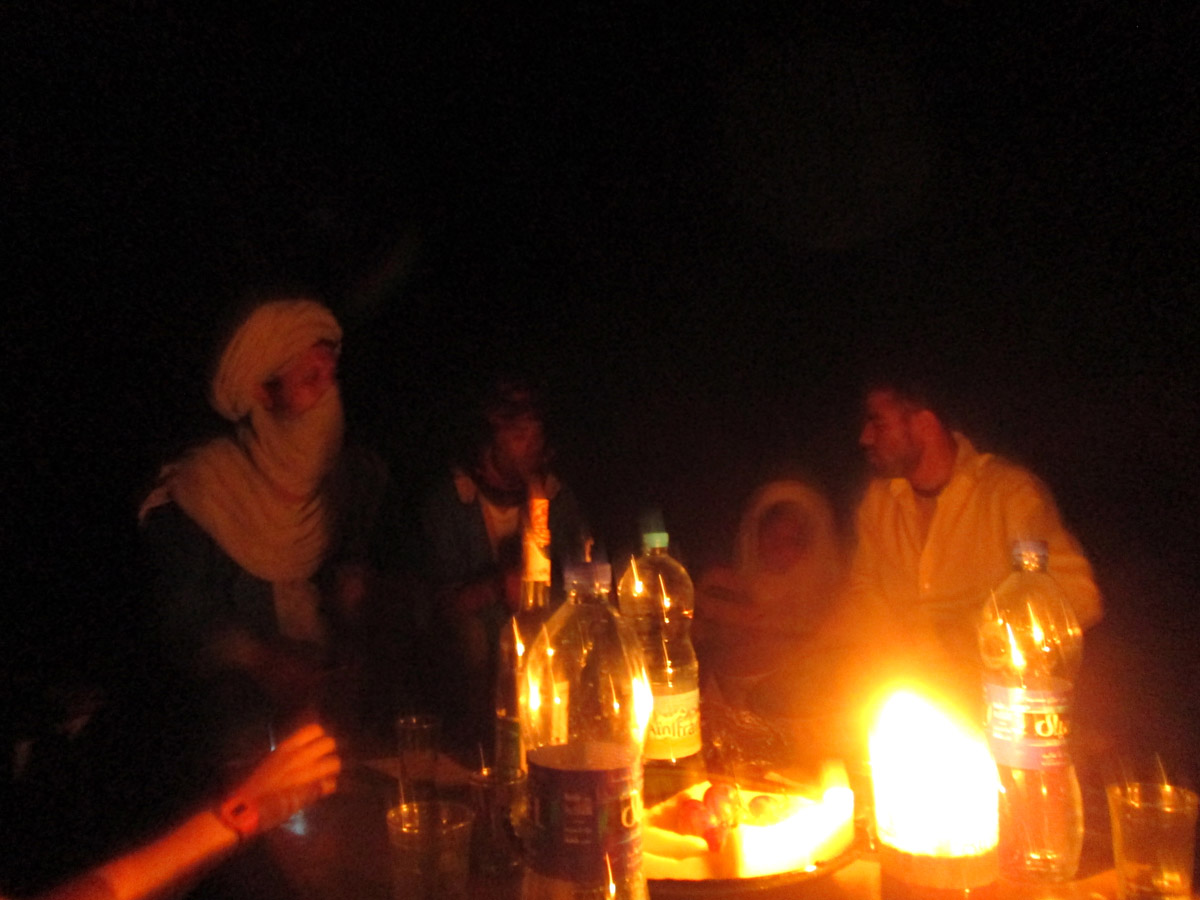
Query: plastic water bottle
{"points": [[517, 635], [1032, 646], [586, 706], [657, 597]]}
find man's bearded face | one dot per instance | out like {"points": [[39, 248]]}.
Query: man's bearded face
{"points": [[887, 435]]}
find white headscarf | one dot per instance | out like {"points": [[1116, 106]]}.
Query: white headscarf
{"points": [[258, 493], [801, 595]]}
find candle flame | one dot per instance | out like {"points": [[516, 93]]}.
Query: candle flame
{"points": [[935, 782]]}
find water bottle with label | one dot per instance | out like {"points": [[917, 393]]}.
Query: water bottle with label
{"points": [[1032, 646], [586, 704], [657, 597]]}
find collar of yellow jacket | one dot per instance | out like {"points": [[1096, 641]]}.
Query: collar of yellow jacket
{"points": [[967, 462]]}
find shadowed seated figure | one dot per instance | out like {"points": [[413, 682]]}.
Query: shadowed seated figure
{"points": [[252, 538], [472, 526], [764, 611]]}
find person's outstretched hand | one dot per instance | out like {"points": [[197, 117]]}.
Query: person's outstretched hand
{"points": [[304, 767]]}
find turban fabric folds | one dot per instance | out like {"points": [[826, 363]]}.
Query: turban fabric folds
{"points": [[273, 335]]}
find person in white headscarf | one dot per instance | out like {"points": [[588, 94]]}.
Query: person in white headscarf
{"points": [[788, 568], [239, 528]]}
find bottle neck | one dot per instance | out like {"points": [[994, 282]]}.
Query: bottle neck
{"points": [[590, 596], [535, 595]]}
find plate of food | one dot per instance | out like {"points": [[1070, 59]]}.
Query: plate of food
{"points": [[723, 838]]}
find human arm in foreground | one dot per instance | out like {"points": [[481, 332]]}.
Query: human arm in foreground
{"points": [[303, 768]]}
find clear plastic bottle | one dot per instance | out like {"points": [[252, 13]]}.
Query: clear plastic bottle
{"points": [[517, 635], [1032, 646], [587, 704], [657, 597]]}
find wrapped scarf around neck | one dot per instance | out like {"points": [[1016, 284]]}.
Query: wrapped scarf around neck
{"points": [[258, 493], [270, 517]]}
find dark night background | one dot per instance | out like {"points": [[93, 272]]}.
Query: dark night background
{"points": [[697, 228]]}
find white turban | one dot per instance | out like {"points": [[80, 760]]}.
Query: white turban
{"points": [[274, 334], [258, 492]]}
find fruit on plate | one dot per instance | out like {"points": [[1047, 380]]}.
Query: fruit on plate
{"points": [[718, 830]]}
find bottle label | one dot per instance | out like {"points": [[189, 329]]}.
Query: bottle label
{"points": [[585, 824], [537, 541], [539, 519], [674, 731], [1028, 729], [537, 563]]}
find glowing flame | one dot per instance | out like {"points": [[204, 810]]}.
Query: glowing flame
{"points": [[803, 830], [936, 786], [638, 587], [820, 824]]}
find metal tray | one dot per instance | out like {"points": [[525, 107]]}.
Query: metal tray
{"points": [[759, 888]]}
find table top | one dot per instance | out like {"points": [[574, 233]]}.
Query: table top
{"points": [[338, 850]]}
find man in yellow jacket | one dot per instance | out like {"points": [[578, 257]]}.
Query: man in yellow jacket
{"points": [[934, 533]]}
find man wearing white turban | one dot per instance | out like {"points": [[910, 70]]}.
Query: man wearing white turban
{"points": [[239, 527]]}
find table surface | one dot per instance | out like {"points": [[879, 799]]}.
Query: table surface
{"points": [[337, 850]]}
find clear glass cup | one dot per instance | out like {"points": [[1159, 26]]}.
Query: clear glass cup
{"points": [[1153, 834], [499, 799], [417, 738], [430, 845]]}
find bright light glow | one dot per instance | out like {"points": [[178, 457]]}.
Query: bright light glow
{"points": [[809, 830], [534, 693], [547, 705], [935, 782], [1035, 628], [1014, 652], [774, 848], [643, 703]]}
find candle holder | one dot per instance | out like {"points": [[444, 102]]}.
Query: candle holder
{"points": [[910, 876], [935, 788]]}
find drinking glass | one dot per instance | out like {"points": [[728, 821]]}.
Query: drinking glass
{"points": [[1153, 832]]}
